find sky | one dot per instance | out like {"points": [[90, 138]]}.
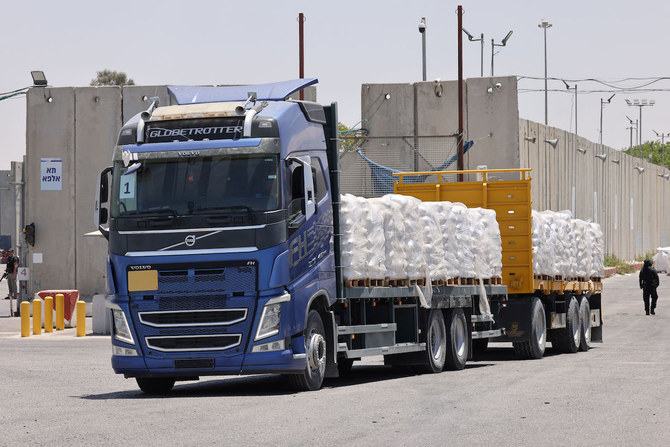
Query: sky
{"points": [[347, 44]]}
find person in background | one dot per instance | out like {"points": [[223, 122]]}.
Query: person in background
{"points": [[648, 283], [10, 270]]}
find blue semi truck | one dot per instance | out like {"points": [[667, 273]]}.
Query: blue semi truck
{"points": [[221, 213]]}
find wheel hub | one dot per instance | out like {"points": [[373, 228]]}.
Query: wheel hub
{"points": [[316, 351]]}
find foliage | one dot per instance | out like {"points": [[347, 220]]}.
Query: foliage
{"points": [[622, 267], [350, 139], [653, 149], [111, 77]]}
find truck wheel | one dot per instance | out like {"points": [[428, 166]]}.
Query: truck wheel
{"points": [[534, 347], [155, 385], [584, 323], [567, 339], [457, 340], [436, 343], [316, 350]]}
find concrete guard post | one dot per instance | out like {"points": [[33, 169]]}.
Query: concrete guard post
{"points": [[37, 316], [81, 319], [60, 312], [48, 314], [25, 319]]}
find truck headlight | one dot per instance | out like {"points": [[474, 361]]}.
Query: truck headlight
{"points": [[268, 325], [121, 328]]}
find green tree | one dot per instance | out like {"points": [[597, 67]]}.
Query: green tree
{"points": [[660, 155], [111, 77], [350, 139]]}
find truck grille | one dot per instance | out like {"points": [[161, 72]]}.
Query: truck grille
{"points": [[208, 317], [234, 278], [194, 343]]}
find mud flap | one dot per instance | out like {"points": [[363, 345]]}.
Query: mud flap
{"points": [[331, 358], [595, 302], [515, 319]]}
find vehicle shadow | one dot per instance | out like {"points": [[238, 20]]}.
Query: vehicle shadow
{"points": [[278, 385]]}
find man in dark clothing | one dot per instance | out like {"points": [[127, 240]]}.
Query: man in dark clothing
{"points": [[648, 283], [10, 270]]}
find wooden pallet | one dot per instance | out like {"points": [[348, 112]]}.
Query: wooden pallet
{"points": [[398, 282], [418, 282], [365, 282], [466, 281], [596, 278], [543, 277], [438, 282], [495, 281]]}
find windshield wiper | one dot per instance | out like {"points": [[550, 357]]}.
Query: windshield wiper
{"points": [[226, 209]]}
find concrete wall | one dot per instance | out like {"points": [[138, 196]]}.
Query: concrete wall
{"points": [[632, 206], [80, 127]]}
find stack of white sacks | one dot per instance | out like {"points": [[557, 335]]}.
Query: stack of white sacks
{"points": [[567, 247], [399, 237]]}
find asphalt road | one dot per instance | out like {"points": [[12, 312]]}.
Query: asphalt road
{"points": [[57, 389]]}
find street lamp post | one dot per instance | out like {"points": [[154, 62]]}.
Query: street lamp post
{"points": [[545, 25], [633, 126], [422, 30], [662, 136], [640, 103], [471, 38], [501, 44], [602, 104]]}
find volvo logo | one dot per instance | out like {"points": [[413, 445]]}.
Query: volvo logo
{"points": [[190, 240]]}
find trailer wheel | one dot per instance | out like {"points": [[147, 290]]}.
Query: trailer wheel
{"points": [[436, 343], [584, 323], [457, 340], [534, 347], [311, 378], [567, 339], [155, 385]]}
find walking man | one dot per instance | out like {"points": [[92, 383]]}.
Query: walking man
{"points": [[10, 270], [648, 283]]}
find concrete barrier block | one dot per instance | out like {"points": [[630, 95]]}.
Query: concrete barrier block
{"points": [[101, 323]]}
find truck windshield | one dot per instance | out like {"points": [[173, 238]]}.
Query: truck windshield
{"points": [[197, 185]]}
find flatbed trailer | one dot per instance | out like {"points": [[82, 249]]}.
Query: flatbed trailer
{"points": [[565, 311]]}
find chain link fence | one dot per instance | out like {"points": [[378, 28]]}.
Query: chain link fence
{"points": [[367, 163]]}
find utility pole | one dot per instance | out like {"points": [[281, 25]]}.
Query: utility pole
{"points": [[301, 51], [545, 25], [459, 12]]}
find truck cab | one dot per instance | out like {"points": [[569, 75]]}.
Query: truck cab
{"points": [[219, 219]]}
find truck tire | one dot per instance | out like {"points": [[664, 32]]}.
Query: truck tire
{"points": [[584, 323], [155, 385], [534, 347], [436, 343], [567, 339], [316, 349], [457, 340]]}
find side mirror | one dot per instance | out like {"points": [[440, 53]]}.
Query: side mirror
{"points": [[100, 213]]}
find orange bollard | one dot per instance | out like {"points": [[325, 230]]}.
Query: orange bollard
{"points": [[25, 319], [60, 312], [81, 319], [37, 316], [48, 314]]}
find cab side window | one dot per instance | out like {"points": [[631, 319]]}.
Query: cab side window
{"points": [[319, 180]]}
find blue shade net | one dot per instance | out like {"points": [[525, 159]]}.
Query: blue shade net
{"points": [[382, 177]]}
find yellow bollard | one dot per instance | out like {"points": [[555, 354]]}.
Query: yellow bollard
{"points": [[25, 319], [81, 319], [60, 312], [37, 316], [48, 314]]}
